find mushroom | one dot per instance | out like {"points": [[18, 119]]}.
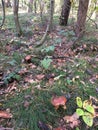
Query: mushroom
{"points": [[58, 101]]}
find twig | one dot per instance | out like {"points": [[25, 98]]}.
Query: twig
{"points": [[89, 18]]}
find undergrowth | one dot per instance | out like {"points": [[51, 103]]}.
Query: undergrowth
{"points": [[30, 103]]}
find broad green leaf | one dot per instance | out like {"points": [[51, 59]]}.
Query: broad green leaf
{"points": [[17, 77], [68, 81], [90, 109], [50, 48], [77, 128], [80, 112], [88, 119], [58, 40], [79, 102], [46, 63]]}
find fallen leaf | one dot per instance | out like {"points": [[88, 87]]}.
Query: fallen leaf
{"points": [[50, 82], [40, 76], [5, 114], [29, 80], [23, 71], [32, 66], [8, 48], [74, 124], [71, 118]]}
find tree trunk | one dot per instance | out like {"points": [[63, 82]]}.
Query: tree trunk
{"points": [[30, 6], [49, 26], [65, 12], [3, 13], [15, 9], [7, 3], [35, 8], [81, 18], [41, 3]]}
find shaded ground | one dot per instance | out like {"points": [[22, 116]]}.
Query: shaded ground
{"points": [[26, 87]]}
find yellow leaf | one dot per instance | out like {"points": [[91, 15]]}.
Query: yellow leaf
{"points": [[79, 102], [86, 103]]}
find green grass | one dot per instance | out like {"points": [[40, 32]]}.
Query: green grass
{"points": [[74, 82], [40, 107]]}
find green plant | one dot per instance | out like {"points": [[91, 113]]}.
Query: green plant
{"points": [[46, 62], [49, 48], [17, 57], [10, 77], [85, 110]]}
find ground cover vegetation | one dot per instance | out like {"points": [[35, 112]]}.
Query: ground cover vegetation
{"points": [[49, 65]]}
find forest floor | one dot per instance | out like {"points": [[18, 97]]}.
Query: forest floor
{"points": [[30, 79]]}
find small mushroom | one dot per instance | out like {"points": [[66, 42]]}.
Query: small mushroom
{"points": [[58, 101], [28, 58]]}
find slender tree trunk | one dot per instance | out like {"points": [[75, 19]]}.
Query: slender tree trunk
{"points": [[3, 13], [35, 8], [49, 24], [81, 18], [41, 3], [30, 6], [65, 12], [51, 14], [15, 10]]}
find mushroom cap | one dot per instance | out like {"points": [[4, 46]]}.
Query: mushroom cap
{"points": [[57, 101], [28, 57]]}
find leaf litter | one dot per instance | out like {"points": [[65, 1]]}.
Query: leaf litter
{"points": [[31, 72]]}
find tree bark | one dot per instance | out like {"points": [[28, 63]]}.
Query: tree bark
{"points": [[3, 10], [7, 3], [65, 12], [81, 18], [49, 26], [30, 6], [15, 10], [35, 8]]}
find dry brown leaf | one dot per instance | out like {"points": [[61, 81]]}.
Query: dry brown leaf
{"points": [[29, 80], [32, 66], [11, 87], [71, 118], [8, 48], [74, 124], [51, 81], [23, 71], [5, 114], [40, 76]]}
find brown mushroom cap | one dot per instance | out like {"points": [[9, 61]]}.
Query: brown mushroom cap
{"points": [[57, 101]]}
